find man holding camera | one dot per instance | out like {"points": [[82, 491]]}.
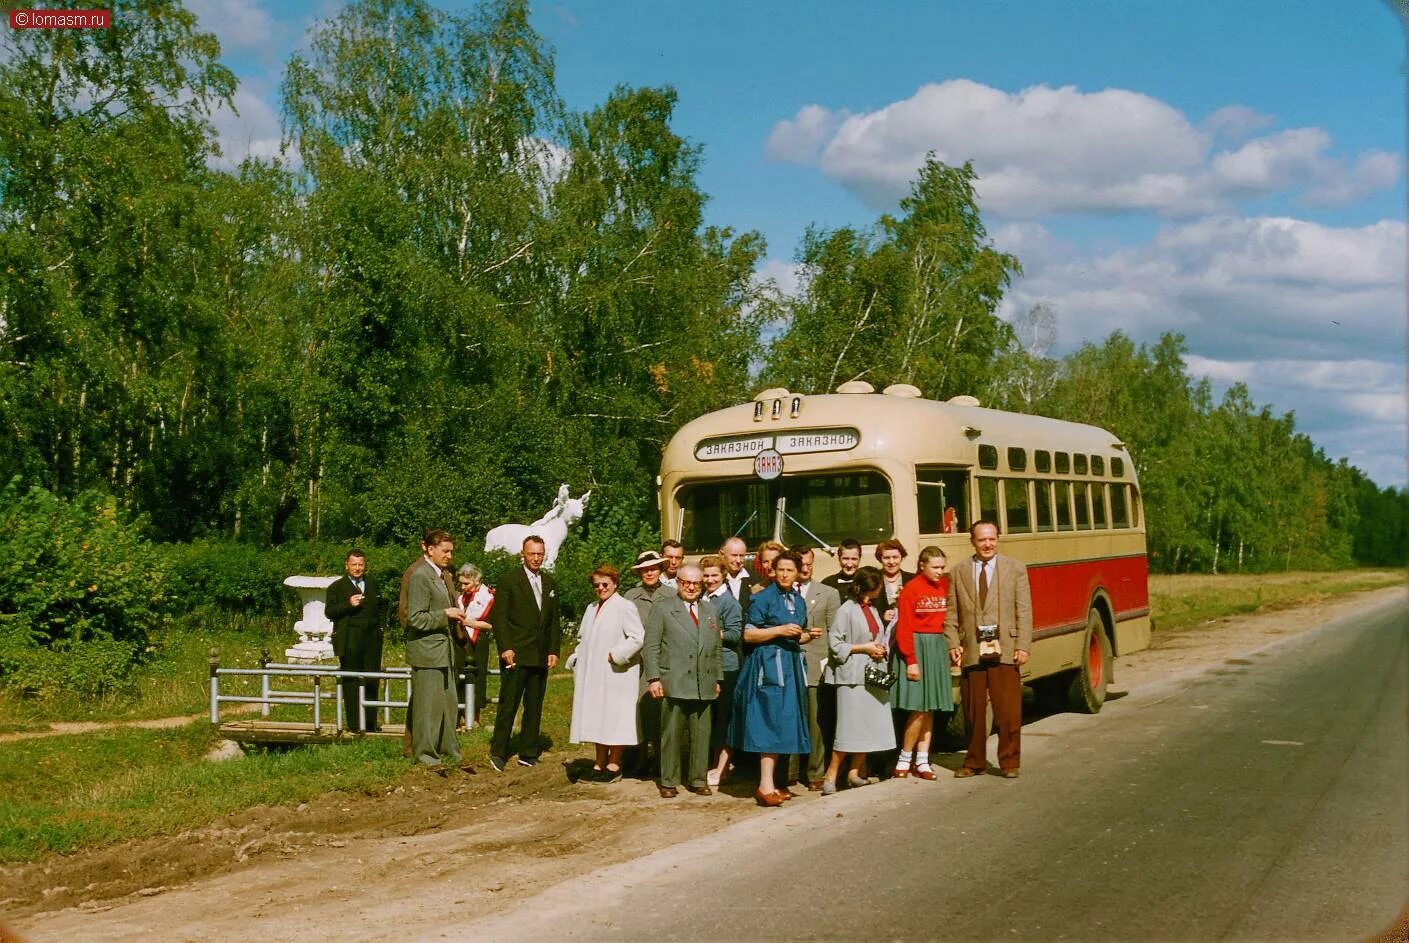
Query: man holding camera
{"points": [[989, 629]]}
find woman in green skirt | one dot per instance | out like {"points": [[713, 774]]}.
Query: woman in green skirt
{"points": [[921, 662]]}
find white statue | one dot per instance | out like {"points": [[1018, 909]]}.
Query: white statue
{"points": [[552, 527], [314, 630]]}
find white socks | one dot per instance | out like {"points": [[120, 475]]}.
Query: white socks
{"points": [[922, 760], [904, 762]]}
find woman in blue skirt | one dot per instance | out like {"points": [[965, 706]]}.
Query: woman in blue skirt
{"points": [[770, 699]]}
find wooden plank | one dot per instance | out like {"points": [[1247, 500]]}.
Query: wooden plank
{"points": [[279, 731]]}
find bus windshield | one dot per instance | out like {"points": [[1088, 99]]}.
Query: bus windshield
{"points": [[810, 509]]}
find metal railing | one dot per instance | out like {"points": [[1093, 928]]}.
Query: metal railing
{"points": [[327, 685]]}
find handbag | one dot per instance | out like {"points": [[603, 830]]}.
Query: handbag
{"points": [[879, 675]]}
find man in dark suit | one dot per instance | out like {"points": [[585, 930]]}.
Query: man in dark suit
{"points": [[529, 635], [354, 604], [683, 663], [736, 575], [849, 561], [989, 630]]}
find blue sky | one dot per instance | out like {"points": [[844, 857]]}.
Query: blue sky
{"points": [[1230, 170]]}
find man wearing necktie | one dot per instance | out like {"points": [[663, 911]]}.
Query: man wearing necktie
{"points": [[683, 663], [355, 605], [529, 635], [989, 630], [432, 621]]}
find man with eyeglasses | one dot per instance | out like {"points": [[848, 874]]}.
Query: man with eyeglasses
{"points": [[683, 666]]}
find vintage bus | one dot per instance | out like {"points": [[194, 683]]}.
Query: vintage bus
{"points": [[817, 469]]}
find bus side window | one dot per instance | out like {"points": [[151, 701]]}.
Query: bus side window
{"points": [[1083, 510], [1063, 505], [1120, 516], [1098, 505], [942, 500], [987, 500], [1046, 523], [1016, 504], [1136, 507]]}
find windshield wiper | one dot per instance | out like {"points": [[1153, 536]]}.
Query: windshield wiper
{"points": [[831, 551]]}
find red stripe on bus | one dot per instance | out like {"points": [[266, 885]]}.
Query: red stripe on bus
{"points": [[1062, 592]]}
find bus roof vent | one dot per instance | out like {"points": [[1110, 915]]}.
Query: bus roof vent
{"points": [[777, 392], [856, 386], [964, 400], [902, 389]]}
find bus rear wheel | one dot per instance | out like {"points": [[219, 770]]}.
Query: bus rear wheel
{"points": [[1088, 687]]}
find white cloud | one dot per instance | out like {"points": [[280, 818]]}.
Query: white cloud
{"points": [[1044, 150], [1236, 122], [785, 275], [252, 132], [1309, 317], [800, 139], [1355, 409], [241, 25], [1268, 287]]}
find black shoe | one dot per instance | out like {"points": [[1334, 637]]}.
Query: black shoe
{"points": [[528, 761], [498, 762]]}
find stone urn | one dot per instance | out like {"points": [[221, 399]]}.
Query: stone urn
{"points": [[314, 630]]}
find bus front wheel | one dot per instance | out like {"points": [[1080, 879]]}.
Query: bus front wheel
{"points": [[1088, 687]]}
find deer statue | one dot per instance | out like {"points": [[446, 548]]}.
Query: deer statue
{"points": [[552, 527]]}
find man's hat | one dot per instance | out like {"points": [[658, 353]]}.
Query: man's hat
{"points": [[647, 559]]}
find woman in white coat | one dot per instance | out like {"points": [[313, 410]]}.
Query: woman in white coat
{"points": [[607, 675], [855, 639]]}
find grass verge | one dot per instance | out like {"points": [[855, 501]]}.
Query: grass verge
{"points": [[69, 793], [1189, 601]]}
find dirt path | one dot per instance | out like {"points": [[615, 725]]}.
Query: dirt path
{"points": [[471, 846], [63, 728]]}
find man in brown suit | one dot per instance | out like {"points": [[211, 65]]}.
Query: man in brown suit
{"points": [[989, 629]]}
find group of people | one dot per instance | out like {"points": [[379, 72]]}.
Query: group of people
{"points": [[699, 663], [449, 618]]}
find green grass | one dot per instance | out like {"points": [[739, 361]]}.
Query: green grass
{"points": [[172, 682], [1189, 601], [63, 794], [68, 793]]}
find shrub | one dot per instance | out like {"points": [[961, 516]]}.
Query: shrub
{"points": [[80, 590]]}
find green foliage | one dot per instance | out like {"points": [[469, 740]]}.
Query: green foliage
{"points": [[81, 590], [912, 302], [468, 293]]}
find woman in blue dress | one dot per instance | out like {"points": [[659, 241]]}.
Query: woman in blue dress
{"points": [[770, 699]]}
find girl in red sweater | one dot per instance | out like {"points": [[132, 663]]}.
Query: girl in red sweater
{"points": [[924, 685]]}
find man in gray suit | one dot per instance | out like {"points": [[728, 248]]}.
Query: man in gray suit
{"points": [[822, 604], [683, 664], [430, 614], [989, 630]]}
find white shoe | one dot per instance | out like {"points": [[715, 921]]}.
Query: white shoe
{"points": [[712, 777]]}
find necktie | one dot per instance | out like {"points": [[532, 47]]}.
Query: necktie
{"points": [[694, 618], [982, 585], [537, 590], [359, 587]]}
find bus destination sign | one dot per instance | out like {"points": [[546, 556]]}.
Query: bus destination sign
{"points": [[719, 448]]}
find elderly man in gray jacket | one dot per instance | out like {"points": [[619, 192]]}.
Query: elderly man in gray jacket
{"points": [[683, 666]]}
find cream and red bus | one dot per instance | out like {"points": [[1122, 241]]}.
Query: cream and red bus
{"points": [[817, 469]]}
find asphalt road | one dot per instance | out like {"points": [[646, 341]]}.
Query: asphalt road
{"points": [[1264, 799]]}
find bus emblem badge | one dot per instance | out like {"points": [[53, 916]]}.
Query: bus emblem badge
{"points": [[768, 464]]}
